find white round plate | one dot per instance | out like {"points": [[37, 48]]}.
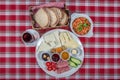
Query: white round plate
{"points": [[41, 63]]}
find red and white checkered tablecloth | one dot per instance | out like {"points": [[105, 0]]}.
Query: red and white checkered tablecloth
{"points": [[102, 51]]}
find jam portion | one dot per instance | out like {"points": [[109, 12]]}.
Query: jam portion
{"points": [[65, 55], [55, 57]]}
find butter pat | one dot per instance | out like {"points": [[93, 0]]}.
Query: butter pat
{"points": [[74, 51]]}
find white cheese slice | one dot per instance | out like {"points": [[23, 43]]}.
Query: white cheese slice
{"points": [[44, 46], [57, 39], [52, 44], [67, 39], [69, 36], [62, 38], [48, 38]]}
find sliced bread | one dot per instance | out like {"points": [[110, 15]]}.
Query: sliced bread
{"points": [[53, 17], [64, 19], [59, 12], [42, 18]]}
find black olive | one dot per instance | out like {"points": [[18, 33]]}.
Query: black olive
{"points": [[45, 56]]}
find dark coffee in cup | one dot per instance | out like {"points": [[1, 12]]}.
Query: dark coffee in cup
{"points": [[30, 37]]}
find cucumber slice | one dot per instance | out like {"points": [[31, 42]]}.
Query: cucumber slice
{"points": [[76, 61], [72, 64]]}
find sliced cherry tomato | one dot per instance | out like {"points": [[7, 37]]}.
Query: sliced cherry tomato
{"points": [[54, 69], [53, 64], [48, 63], [49, 68]]}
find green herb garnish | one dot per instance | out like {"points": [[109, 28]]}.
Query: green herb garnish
{"points": [[79, 28], [85, 24], [80, 25]]}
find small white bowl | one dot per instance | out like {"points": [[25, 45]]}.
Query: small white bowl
{"points": [[77, 15], [62, 53], [54, 54], [78, 50], [41, 57]]}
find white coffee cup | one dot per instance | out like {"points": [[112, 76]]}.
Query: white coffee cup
{"points": [[30, 37]]}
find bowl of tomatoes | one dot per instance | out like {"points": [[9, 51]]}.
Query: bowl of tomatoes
{"points": [[81, 25]]}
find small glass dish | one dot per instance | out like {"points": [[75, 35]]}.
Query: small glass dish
{"points": [[76, 51], [65, 55], [55, 57], [44, 56]]}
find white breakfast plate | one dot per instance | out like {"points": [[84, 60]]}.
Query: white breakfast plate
{"points": [[41, 63]]}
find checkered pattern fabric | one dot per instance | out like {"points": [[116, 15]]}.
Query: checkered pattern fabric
{"points": [[102, 51]]}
